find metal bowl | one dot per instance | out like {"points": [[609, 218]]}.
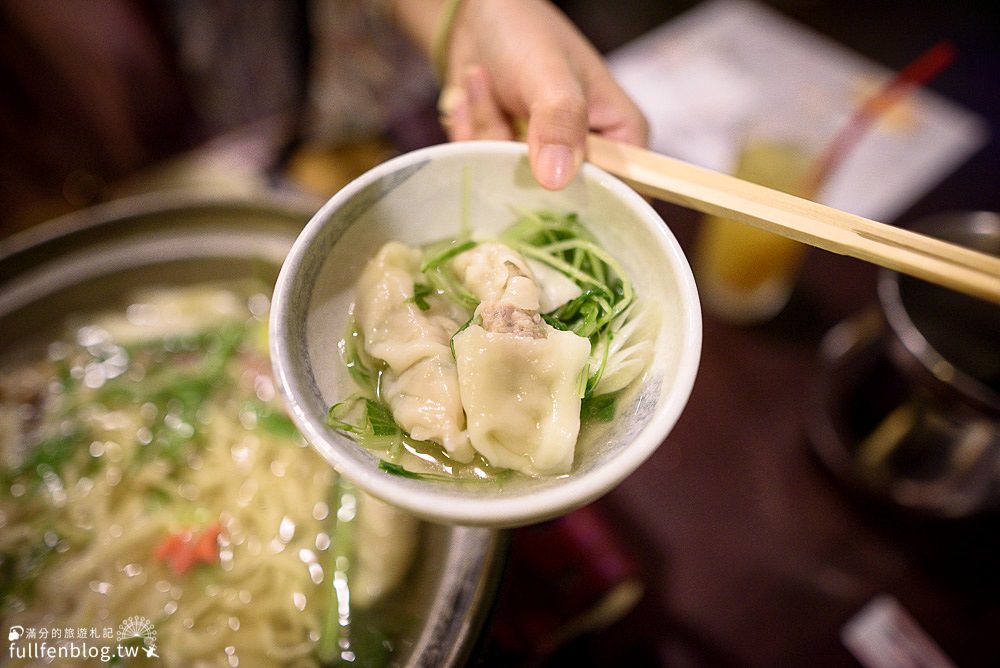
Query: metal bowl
{"points": [[941, 337], [93, 258], [907, 401]]}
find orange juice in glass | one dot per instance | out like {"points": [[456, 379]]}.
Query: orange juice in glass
{"points": [[746, 275]]}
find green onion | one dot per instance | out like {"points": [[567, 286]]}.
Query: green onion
{"points": [[582, 381], [604, 341], [443, 279], [451, 341], [555, 322], [438, 256], [358, 364], [403, 472], [396, 469], [335, 635], [558, 264], [420, 293], [340, 413]]}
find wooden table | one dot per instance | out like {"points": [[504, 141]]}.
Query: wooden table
{"points": [[753, 554]]}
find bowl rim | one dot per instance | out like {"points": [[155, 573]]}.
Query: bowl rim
{"points": [[494, 510]]}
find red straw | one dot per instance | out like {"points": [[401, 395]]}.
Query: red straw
{"points": [[916, 73]]}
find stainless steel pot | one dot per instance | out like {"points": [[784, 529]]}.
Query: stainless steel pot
{"points": [[92, 258], [908, 402], [942, 338]]}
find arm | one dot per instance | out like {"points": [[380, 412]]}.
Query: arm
{"points": [[508, 60]]}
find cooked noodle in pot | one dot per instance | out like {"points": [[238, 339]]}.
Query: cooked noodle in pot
{"points": [[148, 471]]}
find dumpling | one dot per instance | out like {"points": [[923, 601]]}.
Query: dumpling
{"points": [[495, 272], [518, 376], [520, 396], [486, 270], [420, 383]]}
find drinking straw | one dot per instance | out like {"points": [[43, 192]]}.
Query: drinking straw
{"points": [[920, 71]]}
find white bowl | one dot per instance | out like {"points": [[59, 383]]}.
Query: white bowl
{"points": [[417, 198]]}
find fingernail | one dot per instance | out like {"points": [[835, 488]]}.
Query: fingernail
{"points": [[555, 165]]}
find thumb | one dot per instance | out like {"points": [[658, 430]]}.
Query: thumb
{"points": [[557, 135]]}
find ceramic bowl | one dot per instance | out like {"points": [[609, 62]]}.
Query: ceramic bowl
{"points": [[417, 198]]}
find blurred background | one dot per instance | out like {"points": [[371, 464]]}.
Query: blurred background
{"points": [[95, 93], [735, 545]]}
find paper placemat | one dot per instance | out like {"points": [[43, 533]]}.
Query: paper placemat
{"points": [[701, 77]]}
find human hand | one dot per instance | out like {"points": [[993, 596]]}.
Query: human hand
{"points": [[515, 61]]}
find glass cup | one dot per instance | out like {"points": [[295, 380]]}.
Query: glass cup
{"points": [[744, 274]]}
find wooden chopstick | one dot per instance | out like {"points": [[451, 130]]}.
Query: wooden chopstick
{"points": [[712, 192]]}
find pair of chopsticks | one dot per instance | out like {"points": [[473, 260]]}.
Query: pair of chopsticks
{"points": [[712, 192]]}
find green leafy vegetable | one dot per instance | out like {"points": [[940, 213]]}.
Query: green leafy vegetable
{"points": [[444, 281], [272, 421], [335, 635], [50, 454], [359, 365], [19, 569], [599, 311], [599, 408], [403, 472], [438, 255], [564, 244], [380, 420], [396, 469], [367, 421], [421, 291]]}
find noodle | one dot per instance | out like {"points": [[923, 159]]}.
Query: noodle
{"points": [[133, 457]]}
